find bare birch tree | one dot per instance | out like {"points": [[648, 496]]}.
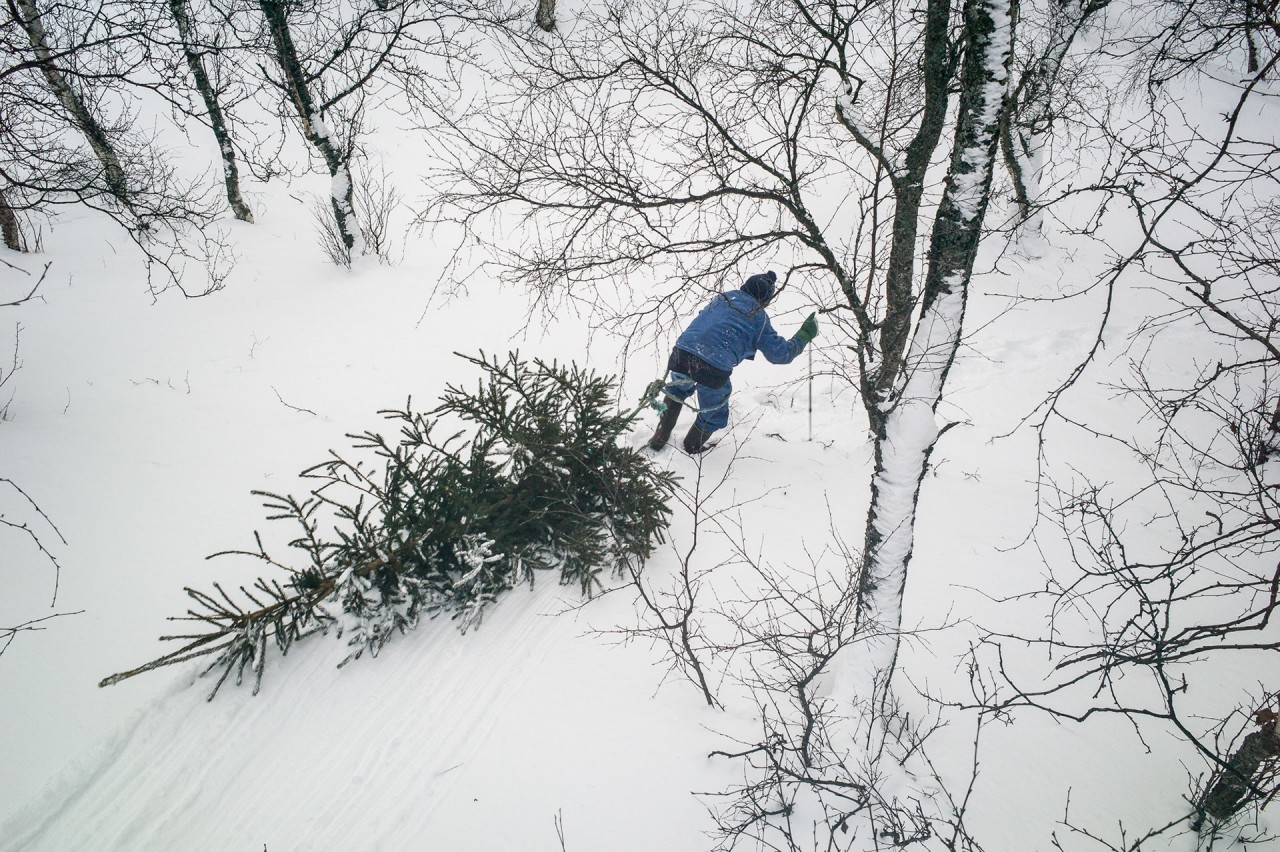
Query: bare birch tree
{"points": [[813, 132], [330, 57], [306, 94], [1044, 95], [50, 59], [70, 91], [905, 441], [1171, 578], [195, 52]]}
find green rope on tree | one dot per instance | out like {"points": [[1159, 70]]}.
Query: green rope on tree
{"points": [[650, 397], [650, 400]]}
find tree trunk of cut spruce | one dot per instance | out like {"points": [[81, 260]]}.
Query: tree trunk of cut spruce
{"points": [[908, 190], [1235, 781], [546, 15], [181, 11], [82, 118], [10, 232], [314, 127], [908, 431]]}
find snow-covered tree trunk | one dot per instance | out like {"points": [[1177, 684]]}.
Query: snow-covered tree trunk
{"points": [[909, 185], [909, 431], [315, 128], [1235, 784], [82, 117], [545, 16], [181, 11]]}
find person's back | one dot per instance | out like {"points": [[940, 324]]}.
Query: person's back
{"points": [[727, 330], [730, 329]]}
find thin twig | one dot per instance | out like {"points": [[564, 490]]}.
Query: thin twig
{"points": [[294, 407]]}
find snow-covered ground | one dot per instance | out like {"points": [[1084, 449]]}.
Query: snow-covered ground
{"points": [[140, 429], [141, 425]]}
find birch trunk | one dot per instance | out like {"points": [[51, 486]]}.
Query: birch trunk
{"points": [[181, 11], [1234, 784], [545, 16], [314, 127], [908, 432], [30, 17], [1030, 117], [908, 189], [10, 232]]}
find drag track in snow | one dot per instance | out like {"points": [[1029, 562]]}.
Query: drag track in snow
{"points": [[414, 750]]}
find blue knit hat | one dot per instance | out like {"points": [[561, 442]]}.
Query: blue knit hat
{"points": [[762, 286]]}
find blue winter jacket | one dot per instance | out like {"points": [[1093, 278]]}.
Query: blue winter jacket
{"points": [[732, 328]]}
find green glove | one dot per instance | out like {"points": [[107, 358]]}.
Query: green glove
{"points": [[808, 329]]}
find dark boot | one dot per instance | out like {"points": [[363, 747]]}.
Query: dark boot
{"points": [[666, 424], [696, 441]]}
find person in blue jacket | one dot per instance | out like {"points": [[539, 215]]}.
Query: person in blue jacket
{"points": [[730, 329]]}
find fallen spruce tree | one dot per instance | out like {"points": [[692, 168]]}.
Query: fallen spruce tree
{"points": [[442, 525]]}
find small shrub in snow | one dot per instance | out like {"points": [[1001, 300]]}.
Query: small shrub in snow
{"points": [[445, 525], [376, 202], [329, 234]]}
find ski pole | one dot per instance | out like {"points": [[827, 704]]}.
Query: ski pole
{"points": [[810, 394]]}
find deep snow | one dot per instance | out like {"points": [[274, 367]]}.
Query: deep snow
{"points": [[140, 426], [140, 429]]}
